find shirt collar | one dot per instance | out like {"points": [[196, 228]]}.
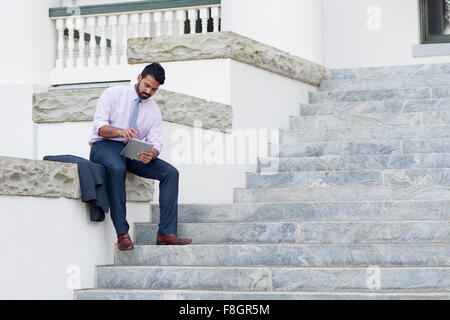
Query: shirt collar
{"points": [[133, 91]]}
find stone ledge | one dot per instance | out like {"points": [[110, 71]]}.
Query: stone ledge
{"points": [[39, 178], [79, 105], [225, 45]]}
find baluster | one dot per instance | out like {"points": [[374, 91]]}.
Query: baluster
{"points": [[60, 46], [112, 22], [123, 21], [71, 43], [134, 25], [192, 15], [81, 44], [204, 18], [92, 57], [101, 22], [215, 13], [157, 17], [168, 15], [181, 17], [146, 22]]}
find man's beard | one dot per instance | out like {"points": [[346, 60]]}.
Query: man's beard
{"points": [[141, 95]]}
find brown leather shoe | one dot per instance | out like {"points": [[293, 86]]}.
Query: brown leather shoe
{"points": [[124, 242], [171, 239]]}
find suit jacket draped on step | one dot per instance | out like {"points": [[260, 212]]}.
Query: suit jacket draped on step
{"points": [[92, 183]]}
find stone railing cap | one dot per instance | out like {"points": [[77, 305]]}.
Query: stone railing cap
{"points": [[225, 45]]}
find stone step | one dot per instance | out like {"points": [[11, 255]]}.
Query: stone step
{"points": [[370, 120], [374, 232], [403, 177], [389, 72], [363, 147], [345, 163], [310, 211], [436, 80], [305, 232], [225, 232], [296, 255], [343, 148], [376, 95], [273, 279], [373, 107], [328, 279], [426, 146], [183, 277], [315, 178], [342, 193], [142, 294], [370, 133]]}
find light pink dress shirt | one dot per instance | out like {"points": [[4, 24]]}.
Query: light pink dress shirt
{"points": [[114, 108]]}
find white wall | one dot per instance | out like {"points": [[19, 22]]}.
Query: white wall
{"points": [[348, 42], [45, 236], [263, 99], [16, 120], [28, 42], [294, 26]]}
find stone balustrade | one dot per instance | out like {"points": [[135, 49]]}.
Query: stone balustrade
{"points": [[91, 36]]}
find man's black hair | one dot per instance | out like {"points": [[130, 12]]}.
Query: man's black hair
{"points": [[156, 71]]}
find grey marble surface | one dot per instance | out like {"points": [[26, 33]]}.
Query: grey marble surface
{"points": [[426, 146], [123, 294], [387, 106], [225, 45], [39, 178], [373, 95], [357, 162], [230, 233], [330, 279], [371, 120], [346, 148], [268, 279], [435, 80], [392, 177], [335, 232], [391, 71], [356, 134], [376, 232], [79, 105], [311, 211], [322, 255], [343, 193], [205, 278], [317, 178]]}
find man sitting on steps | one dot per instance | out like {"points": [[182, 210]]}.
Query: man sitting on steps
{"points": [[124, 112]]}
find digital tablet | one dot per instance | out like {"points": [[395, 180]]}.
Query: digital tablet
{"points": [[134, 146]]}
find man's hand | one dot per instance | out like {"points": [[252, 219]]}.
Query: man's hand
{"points": [[146, 157], [128, 134]]}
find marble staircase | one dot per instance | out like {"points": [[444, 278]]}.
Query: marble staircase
{"points": [[358, 208]]}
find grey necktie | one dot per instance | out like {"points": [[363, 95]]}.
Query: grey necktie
{"points": [[134, 115]]}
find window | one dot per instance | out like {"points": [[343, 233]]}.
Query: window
{"points": [[434, 21]]}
